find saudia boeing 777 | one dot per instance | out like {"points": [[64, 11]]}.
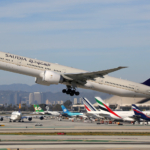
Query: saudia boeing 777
{"points": [[46, 73]]}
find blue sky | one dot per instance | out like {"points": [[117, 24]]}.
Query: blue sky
{"points": [[86, 34]]}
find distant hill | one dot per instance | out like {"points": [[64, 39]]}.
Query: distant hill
{"points": [[32, 88], [53, 92]]}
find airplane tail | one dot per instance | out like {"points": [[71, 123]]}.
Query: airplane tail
{"points": [[20, 106], [37, 108], [147, 82], [138, 112], [89, 107], [65, 110], [104, 107]]}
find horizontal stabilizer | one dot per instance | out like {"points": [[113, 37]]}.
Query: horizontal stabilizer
{"points": [[147, 82]]}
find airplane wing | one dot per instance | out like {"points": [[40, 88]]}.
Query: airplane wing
{"points": [[24, 117], [7, 117], [83, 76], [104, 115], [94, 115]]}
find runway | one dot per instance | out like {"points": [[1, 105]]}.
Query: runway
{"points": [[71, 142], [77, 146], [53, 125]]}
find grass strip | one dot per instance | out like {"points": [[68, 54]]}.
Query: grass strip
{"points": [[82, 133]]}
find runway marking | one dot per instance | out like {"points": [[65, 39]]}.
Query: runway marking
{"points": [[55, 140]]}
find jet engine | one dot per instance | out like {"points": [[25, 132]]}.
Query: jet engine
{"points": [[30, 118], [49, 77], [1, 118], [41, 118]]}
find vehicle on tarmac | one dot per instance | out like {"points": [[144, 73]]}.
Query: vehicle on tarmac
{"points": [[141, 115], [67, 113], [39, 110], [47, 73]]}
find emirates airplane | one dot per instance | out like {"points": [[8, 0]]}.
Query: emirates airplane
{"points": [[47, 73]]}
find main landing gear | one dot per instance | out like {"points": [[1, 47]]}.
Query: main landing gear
{"points": [[70, 91]]}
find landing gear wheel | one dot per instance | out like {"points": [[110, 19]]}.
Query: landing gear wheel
{"points": [[72, 93], [67, 92], [64, 91], [77, 93]]}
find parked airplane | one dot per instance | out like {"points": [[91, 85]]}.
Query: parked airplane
{"points": [[139, 114], [39, 110], [105, 111], [17, 116], [46, 73], [91, 110], [71, 114]]}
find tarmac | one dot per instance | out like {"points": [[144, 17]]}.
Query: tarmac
{"points": [[82, 142]]}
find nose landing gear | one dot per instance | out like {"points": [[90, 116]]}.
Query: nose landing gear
{"points": [[70, 91]]}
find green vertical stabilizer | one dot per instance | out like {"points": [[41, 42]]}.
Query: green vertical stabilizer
{"points": [[37, 108]]}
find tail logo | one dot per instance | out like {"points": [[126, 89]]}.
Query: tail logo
{"points": [[65, 110], [37, 108], [86, 107], [106, 108]]}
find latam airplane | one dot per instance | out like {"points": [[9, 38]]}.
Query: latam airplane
{"points": [[46, 73]]}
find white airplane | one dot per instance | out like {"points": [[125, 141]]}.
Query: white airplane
{"points": [[39, 110], [91, 110], [46, 73], [105, 111], [17, 116]]}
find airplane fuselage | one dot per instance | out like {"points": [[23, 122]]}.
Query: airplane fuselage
{"points": [[16, 116], [106, 84]]}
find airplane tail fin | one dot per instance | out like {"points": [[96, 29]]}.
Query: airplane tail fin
{"points": [[147, 82], [104, 107], [65, 110], [137, 111], [89, 107], [47, 107], [37, 108], [20, 106]]}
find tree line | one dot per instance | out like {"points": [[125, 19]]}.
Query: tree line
{"points": [[25, 107]]}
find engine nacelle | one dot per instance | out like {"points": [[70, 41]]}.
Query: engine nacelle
{"points": [[41, 118], [30, 118], [49, 77], [1, 118], [40, 81]]}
